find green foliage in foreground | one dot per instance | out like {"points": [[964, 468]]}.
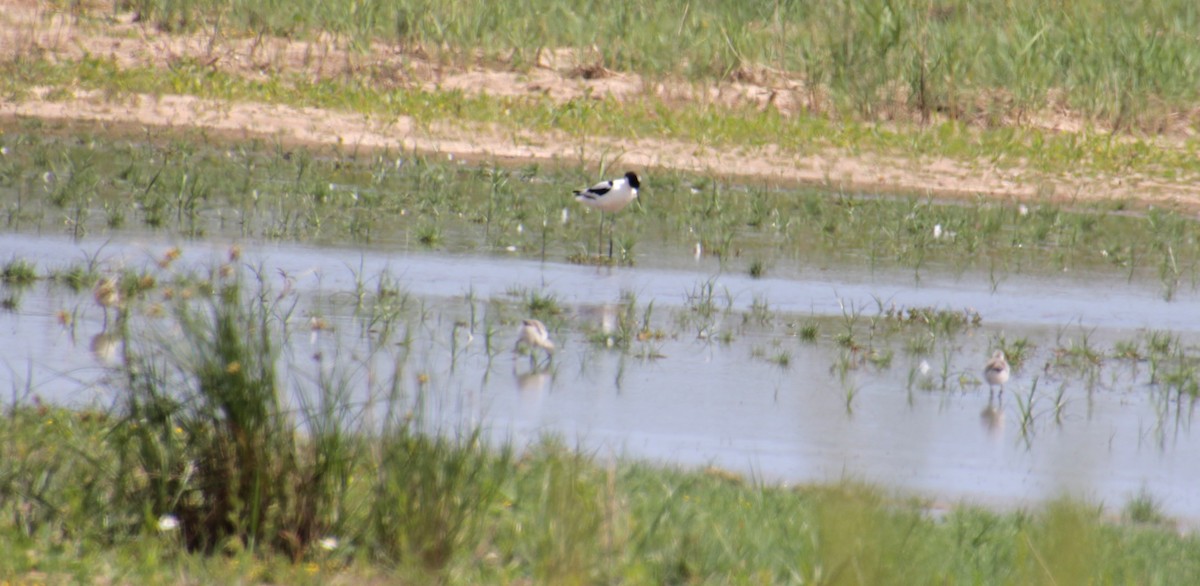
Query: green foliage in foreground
{"points": [[1126, 64], [204, 470], [555, 517]]}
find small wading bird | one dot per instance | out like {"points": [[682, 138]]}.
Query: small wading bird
{"points": [[609, 196], [531, 336], [107, 295], [996, 371]]}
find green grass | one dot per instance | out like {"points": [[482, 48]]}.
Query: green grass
{"points": [[198, 186], [18, 273], [872, 59], [555, 516], [205, 431], [697, 123]]}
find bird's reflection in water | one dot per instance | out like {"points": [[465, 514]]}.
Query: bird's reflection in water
{"points": [[104, 347], [533, 381], [532, 386], [601, 318], [992, 418]]}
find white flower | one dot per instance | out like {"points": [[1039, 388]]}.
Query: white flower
{"points": [[924, 367], [1023, 210], [328, 543], [168, 523], [937, 231]]}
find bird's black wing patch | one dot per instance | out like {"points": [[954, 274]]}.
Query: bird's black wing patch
{"points": [[594, 191]]}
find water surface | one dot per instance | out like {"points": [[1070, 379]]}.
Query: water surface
{"points": [[705, 398]]}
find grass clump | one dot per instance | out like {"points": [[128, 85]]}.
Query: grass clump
{"points": [[210, 439], [757, 269], [452, 510], [76, 277], [809, 331], [542, 305], [18, 273], [1145, 509], [432, 494], [938, 320]]}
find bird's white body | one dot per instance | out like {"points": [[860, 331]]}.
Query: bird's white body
{"points": [[997, 371], [533, 334], [106, 293], [610, 196]]}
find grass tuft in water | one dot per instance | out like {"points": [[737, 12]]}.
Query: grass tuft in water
{"points": [[18, 273], [758, 269], [809, 331]]}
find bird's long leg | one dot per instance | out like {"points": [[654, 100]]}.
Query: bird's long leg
{"points": [[610, 235], [600, 236]]}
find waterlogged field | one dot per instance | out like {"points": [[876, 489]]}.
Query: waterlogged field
{"points": [[195, 187], [219, 314]]}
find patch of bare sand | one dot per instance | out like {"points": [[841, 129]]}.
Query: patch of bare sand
{"points": [[315, 126], [27, 26]]}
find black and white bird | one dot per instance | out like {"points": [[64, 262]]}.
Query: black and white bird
{"points": [[610, 196], [997, 371]]}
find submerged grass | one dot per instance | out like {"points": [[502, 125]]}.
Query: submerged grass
{"points": [[218, 461], [200, 186]]}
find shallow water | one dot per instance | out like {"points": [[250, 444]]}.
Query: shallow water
{"points": [[709, 402]]}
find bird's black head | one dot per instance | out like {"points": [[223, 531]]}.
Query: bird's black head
{"points": [[632, 178]]}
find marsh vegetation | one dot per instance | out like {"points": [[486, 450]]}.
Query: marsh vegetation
{"points": [[301, 435], [238, 357]]}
